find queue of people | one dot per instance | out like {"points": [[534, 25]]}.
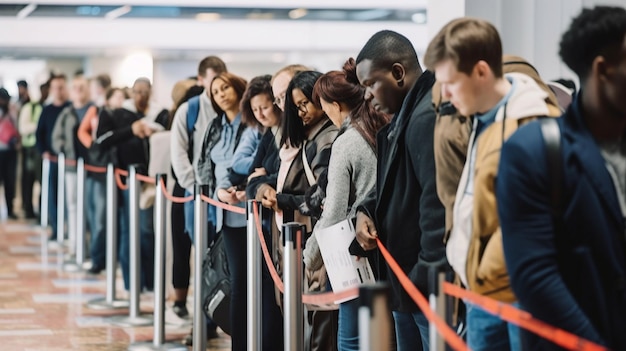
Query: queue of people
{"points": [[445, 162]]}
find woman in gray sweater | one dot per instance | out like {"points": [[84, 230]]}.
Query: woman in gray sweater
{"points": [[351, 171]]}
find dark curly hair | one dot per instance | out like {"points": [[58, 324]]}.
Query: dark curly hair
{"points": [[388, 47], [595, 32]]}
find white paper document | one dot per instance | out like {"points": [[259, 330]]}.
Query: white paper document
{"points": [[344, 271]]}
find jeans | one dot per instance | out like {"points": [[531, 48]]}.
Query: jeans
{"points": [[189, 220], [411, 331], [71, 198], [348, 333], [52, 198], [95, 201], [487, 332], [146, 244]]}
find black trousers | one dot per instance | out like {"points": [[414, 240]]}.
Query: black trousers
{"points": [[31, 172], [181, 243], [8, 169]]}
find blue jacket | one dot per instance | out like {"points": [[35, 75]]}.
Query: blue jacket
{"points": [[574, 279]]}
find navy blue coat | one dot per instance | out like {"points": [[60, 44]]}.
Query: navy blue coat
{"points": [[573, 279]]}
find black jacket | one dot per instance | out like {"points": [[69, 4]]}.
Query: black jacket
{"points": [[115, 133], [405, 207]]}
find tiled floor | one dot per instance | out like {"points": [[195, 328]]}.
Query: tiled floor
{"points": [[42, 308]]}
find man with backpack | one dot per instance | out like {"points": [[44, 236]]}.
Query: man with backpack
{"points": [[561, 192], [188, 128], [466, 56]]}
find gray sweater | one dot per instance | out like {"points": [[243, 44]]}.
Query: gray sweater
{"points": [[351, 176]]}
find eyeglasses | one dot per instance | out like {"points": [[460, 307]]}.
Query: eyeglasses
{"points": [[280, 100], [302, 106]]}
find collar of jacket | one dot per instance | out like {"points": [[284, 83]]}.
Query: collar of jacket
{"points": [[585, 148], [421, 87]]}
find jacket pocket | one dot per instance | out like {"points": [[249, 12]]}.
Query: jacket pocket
{"points": [[491, 276]]}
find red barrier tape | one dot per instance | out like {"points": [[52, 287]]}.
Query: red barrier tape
{"points": [[178, 200], [222, 205], [444, 330], [523, 319], [315, 299], [118, 178], [146, 179], [95, 169]]}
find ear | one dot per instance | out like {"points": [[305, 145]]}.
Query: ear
{"points": [[398, 73], [337, 105], [600, 69], [482, 69]]}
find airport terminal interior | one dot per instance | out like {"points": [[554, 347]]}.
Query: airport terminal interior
{"points": [[51, 292]]}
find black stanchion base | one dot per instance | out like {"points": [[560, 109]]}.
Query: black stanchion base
{"points": [[103, 304], [149, 346], [127, 321]]}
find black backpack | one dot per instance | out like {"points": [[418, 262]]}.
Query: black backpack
{"points": [[216, 285]]}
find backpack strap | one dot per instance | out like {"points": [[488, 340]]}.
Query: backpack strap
{"points": [[552, 138], [193, 109]]}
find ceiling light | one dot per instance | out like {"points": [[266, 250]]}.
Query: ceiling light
{"points": [[298, 13], [260, 15], [419, 17], [208, 16], [27, 10], [118, 12]]}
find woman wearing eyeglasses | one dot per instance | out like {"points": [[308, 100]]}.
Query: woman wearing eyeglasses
{"points": [[351, 171], [307, 135]]}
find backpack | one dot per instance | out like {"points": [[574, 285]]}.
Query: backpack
{"points": [[216, 285], [193, 110]]}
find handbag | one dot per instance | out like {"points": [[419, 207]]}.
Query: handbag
{"points": [[216, 285], [8, 132]]}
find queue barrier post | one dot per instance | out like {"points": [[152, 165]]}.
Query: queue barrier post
{"points": [[439, 303], [77, 253], [293, 234], [61, 199], [45, 192], [374, 317], [254, 281], [200, 234]]}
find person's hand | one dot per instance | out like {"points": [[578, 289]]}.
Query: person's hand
{"points": [[366, 232], [257, 173], [139, 129], [228, 196], [241, 195], [269, 199]]}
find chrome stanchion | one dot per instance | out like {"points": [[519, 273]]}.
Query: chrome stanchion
{"points": [[134, 318], [43, 208], [439, 304], [292, 303], [61, 199], [110, 302], [374, 318], [45, 192], [254, 281], [199, 238], [159, 277], [77, 257]]}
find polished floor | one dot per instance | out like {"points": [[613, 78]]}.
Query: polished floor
{"points": [[43, 307]]}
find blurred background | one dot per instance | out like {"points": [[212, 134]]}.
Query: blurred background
{"points": [[164, 40]]}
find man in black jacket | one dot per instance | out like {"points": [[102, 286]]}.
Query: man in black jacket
{"points": [[404, 209], [125, 134]]}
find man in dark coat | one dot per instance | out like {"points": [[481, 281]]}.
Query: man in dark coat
{"points": [[404, 209], [565, 249]]}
